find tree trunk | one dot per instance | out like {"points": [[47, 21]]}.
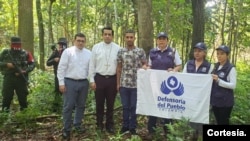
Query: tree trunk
{"points": [[135, 6], [41, 35], [168, 17], [145, 25], [51, 37], [223, 22], [198, 23], [25, 24], [78, 16]]}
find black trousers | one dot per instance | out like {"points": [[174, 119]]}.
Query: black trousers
{"points": [[152, 120], [105, 93], [56, 107], [222, 114], [14, 85]]}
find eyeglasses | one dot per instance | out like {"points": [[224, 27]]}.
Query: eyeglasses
{"points": [[79, 41]]}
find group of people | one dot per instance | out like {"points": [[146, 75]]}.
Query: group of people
{"points": [[224, 82], [109, 69]]}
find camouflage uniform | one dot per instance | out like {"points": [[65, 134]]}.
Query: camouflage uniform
{"points": [[15, 79]]}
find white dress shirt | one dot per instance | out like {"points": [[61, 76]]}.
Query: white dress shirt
{"points": [[74, 64], [103, 60]]}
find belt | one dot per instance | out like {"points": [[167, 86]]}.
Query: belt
{"points": [[105, 76], [76, 79]]}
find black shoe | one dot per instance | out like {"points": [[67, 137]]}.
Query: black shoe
{"points": [[66, 135], [123, 130], [110, 130], [132, 132], [80, 130]]}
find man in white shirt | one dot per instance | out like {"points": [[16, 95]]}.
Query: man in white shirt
{"points": [[102, 72], [72, 75]]}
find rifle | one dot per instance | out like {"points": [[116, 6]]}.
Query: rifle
{"points": [[17, 68], [53, 47]]}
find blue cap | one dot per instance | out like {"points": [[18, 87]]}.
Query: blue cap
{"points": [[224, 48], [201, 46], [162, 34]]}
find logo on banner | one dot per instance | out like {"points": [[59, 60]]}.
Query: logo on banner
{"points": [[172, 85], [171, 104]]}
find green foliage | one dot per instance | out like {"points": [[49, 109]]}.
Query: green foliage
{"points": [[39, 99], [241, 110], [176, 130], [134, 138], [41, 91], [26, 117], [4, 119]]}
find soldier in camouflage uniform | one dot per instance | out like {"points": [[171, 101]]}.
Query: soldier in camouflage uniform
{"points": [[15, 65], [54, 61]]}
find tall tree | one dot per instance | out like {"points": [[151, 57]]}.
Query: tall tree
{"points": [[223, 22], [198, 23], [25, 24], [50, 36], [145, 25], [41, 34], [78, 16]]}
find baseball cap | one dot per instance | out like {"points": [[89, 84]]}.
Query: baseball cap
{"points": [[15, 39], [162, 34], [62, 40], [224, 48], [201, 46]]}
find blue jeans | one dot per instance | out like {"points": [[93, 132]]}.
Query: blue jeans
{"points": [[128, 99]]}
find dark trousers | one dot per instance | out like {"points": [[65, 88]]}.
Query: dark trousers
{"points": [[56, 84], [152, 123], [14, 84], [222, 114], [129, 99], [105, 93], [56, 107]]}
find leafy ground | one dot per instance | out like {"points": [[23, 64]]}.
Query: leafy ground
{"points": [[48, 128]]}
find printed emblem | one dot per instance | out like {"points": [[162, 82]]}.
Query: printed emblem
{"points": [[172, 85]]}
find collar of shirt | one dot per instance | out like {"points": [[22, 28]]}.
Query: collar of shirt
{"points": [[163, 49]]}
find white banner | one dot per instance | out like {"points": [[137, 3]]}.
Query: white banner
{"points": [[174, 95]]}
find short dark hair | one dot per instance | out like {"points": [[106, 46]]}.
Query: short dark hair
{"points": [[108, 28], [130, 31], [80, 35]]}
